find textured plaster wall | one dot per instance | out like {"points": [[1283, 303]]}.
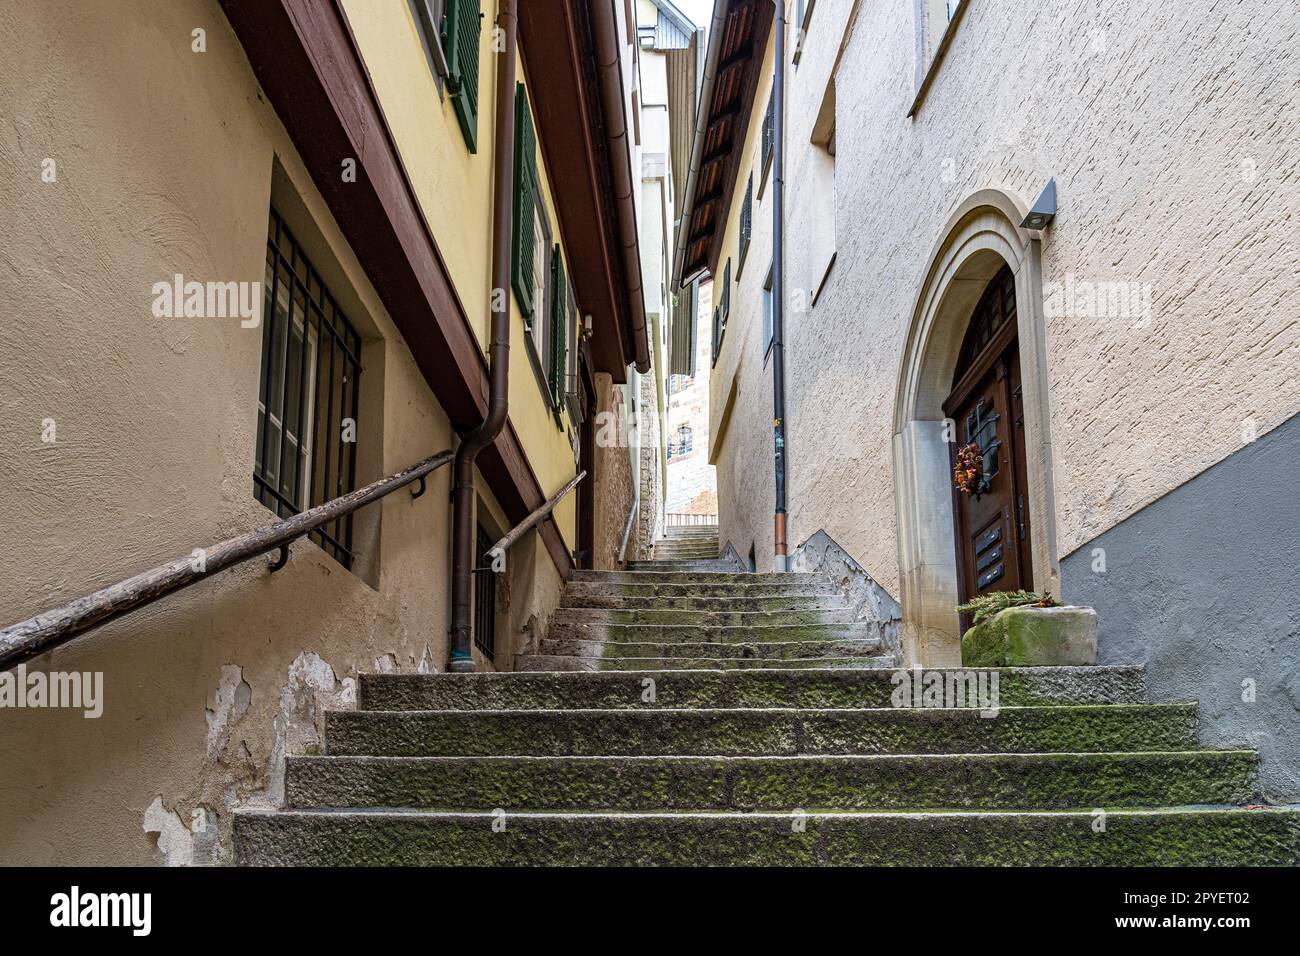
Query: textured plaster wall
{"points": [[1171, 131], [1180, 587], [167, 161]]}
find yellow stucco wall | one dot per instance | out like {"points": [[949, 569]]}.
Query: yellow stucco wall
{"points": [[454, 189]]}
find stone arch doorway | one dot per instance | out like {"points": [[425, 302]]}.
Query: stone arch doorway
{"points": [[981, 243]]}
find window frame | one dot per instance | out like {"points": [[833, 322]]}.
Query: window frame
{"points": [[429, 18], [802, 15], [746, 224], [325, 330], [929, 51], [767, 140]]}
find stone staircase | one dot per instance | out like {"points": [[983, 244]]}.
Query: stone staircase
{"points": [[689, 548], [697, 717]]}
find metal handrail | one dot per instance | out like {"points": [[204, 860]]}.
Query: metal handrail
{"points": [[627, 527], [497, 553], [22, 641]]}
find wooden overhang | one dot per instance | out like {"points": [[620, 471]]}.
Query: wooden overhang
{"points": [[310, 67], [564, 91], [719, 142]]}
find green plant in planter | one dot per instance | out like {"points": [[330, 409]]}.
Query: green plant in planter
{"points": [[986, 605]]}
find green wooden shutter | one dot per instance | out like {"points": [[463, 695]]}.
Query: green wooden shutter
{"points": [[559, 310], [522, 251], [460, 34]]}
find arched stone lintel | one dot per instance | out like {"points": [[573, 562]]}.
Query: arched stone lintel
{"points": [[981, 235]]}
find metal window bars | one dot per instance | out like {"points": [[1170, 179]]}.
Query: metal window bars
{"points": [[308, 400]]}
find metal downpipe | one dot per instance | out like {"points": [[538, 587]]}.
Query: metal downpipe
{"points": [[498, 405], [778, 289]]}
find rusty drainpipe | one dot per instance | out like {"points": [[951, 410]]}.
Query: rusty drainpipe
{"points": [[498, 405]]}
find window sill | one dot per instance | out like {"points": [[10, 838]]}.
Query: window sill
{"points": [[937, 60]]}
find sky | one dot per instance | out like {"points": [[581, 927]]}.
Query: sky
{"points": [[698, 10]]}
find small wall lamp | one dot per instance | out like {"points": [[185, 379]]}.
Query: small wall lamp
{"points": [[1044, 211]]}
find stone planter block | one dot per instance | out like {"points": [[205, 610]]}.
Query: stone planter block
{"points": [[1032, 636]]}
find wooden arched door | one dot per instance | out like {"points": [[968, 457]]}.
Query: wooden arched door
{"points": [[992, 523]]}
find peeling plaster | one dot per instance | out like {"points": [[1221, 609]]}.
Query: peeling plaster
{"points": [[234, 696], [312, 688], [175, 841]]}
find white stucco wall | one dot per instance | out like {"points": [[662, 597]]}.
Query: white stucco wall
{"points": [[1171, 131]]}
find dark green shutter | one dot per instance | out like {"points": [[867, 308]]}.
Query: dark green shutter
{"points": [[521, 249], [460, 33], [559, 309]]}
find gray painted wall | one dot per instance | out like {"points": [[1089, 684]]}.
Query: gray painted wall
{"points": [[1203, 586]]}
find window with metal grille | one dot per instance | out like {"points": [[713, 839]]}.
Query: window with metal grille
{"points": [[769, 133], [717, 333], [485, 598], [746, 223], [726, 295], [307, 405]]}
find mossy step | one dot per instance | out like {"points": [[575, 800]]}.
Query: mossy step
{"points": [[907, 782], [766, 688], [688, 577], [765, 650], [589, 615], [684, 567], [566, 629], [1195, 837], [570, 662], [802, 586], [715, 603], [755, 732]]}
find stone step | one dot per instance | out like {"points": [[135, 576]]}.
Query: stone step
{"points": [[807, 586], [683, 618], [569, 630], [655, 578], [907, 782], [618, 602], [712, 689], [704, 732], [565, 629], [1199, 837], [714, 566], [753, 650], [554, 662]]}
